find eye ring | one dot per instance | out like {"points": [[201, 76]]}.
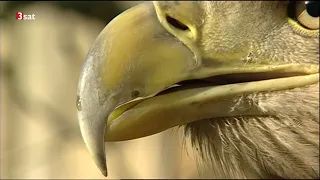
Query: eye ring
{"points": [[305, 13]]}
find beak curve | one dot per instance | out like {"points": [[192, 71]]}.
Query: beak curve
{"points": [[132, 45]]}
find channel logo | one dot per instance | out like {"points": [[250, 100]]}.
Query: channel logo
{"points": [[22, 16]]}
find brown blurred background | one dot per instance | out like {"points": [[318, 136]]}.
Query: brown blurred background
{"points": [[40, 67]]}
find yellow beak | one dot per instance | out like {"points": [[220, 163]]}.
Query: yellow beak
{"points": [[134, 56]]}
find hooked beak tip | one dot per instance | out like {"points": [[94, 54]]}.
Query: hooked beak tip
{"points": [[100, 160], [105, 172]]}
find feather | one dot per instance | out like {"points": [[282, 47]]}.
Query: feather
{"points": [[284, 144]]}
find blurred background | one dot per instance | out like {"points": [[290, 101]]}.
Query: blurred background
{"points": [[40, 67]]}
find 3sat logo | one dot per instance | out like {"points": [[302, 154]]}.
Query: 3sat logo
{"points": [[22, 16]]}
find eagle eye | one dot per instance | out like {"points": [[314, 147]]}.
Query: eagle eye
{"points": [[306, 13]]}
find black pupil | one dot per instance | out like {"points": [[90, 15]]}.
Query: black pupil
{"points": [[312, 8]]}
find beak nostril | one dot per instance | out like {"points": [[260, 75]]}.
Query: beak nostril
{"points": [[177, 24], [135, 94]]}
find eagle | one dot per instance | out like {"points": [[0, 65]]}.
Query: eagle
{"points": [[241, 78]]}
